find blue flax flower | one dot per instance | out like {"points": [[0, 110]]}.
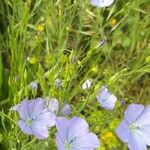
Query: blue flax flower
{"points": [[66, 110], [106, 99], [101, 3], [35, 119], [135, 128], [74, 134]]}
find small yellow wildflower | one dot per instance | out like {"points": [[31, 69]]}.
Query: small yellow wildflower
{"points": [[107, 136], [40, 28], [94, 69], [113, 22]]}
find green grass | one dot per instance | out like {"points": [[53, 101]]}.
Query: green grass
{"points": [[39, 38]]}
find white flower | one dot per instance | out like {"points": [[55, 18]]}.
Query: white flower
{"points": [[86, 84], [102, 3]]}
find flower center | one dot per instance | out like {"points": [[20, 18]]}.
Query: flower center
{"points": [[134, 127], [29, 121], [68, 145]]}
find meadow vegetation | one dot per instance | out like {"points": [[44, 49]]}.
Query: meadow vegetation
{"points": [[51, 42]]}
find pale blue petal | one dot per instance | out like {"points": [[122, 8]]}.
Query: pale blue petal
{"points": [[144, 124], [78, 127], [62, 127], [23, 109], [106, 99], [112, 98], [133, 112], [144, 118], [109, 103], [95, 2], [60, 143], [123, 131], [26, 129], [88, 141], [75, 133], [145, 135], [53, 105], [46, 119], [36, 106], [137, 143], [66, 110], [103, 94], [39, 131]]}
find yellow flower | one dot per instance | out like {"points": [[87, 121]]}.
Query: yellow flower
{"points": [[107, 136], [113, 22], [40, 28], [94, 69]]}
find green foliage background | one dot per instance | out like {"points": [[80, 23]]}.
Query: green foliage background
{"points": [[43, 40]]}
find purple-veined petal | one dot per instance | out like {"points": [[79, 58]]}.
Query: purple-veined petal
{"points": [[53, 105], [62, 127], [112, 98], [144, 119], [60, 143], [136, 143], [46, 119], [123, 131], [133, 112], [23, 109], [143, 122], [109, 103], [144, 133], [103, 93], [106, 99], [36, 106], [74, 134], [39, 131], [66, 109], [78, 127], [25, 128], [88, 141]]}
